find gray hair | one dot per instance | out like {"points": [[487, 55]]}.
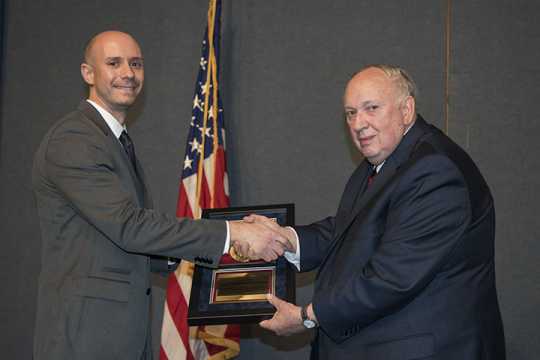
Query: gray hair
{"points": [[403, 80]]}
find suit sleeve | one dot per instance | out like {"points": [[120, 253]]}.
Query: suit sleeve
{"points": [[315, 240], [82, 170], [427, 215]]}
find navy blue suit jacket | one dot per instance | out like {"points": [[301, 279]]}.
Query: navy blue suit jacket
{"points": [[406, 267]]}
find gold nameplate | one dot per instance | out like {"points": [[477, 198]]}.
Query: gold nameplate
{"points": [[237, 285]]}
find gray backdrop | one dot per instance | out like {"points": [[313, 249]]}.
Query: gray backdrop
{"points": [[284, 66]]}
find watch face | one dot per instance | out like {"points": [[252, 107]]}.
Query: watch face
{"points": [[310, 324]]}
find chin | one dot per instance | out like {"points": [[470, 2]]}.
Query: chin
{"points": [[126, 101]]}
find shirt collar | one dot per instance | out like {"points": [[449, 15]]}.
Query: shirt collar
{"points": [[378, 167], [111, 121]]}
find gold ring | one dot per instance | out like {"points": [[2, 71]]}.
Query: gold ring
{"points": [[236, 255]]}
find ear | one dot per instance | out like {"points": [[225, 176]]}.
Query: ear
{"points": [[87, 72], [408, 110]]}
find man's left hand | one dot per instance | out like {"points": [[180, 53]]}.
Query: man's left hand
{"points": [[287, 319]]}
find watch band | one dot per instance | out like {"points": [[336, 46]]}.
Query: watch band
{"points": [[306, 321], [303, 312]]}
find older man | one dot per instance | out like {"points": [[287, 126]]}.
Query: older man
{"points": [[97, 223], [406, 266]]}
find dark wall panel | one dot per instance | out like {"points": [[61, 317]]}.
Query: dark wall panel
{"points": [[493, 113]]}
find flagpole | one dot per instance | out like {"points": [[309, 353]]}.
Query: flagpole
{"points": [[211, 69]]}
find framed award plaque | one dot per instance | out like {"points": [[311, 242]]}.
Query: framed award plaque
{"points": [[235, 292]]}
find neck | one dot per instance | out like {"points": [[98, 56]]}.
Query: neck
{"points": [[119, 115]]}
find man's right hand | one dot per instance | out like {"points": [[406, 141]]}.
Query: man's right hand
{"points": [[257, 241], [285, 231]]}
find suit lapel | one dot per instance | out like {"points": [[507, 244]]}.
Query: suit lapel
{"points": [[386, 173], [353, 191], [147, 199], [93, 115]]}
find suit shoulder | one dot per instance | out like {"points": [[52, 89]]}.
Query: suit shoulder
{"points": [[439, 143], [439, 156], [72, 137], [426, 163], [74, 122]]}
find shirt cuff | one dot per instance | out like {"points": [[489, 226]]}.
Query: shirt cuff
{"points": [[227, 239], [294, 258]]}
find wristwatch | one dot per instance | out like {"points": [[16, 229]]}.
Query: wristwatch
{"points": [[306, 321]]}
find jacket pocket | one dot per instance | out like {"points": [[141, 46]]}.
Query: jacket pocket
{"points": [[116, 270], [409, 348], [100, 288]]}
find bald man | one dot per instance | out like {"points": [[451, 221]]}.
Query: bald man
{"points": [[406, 266], [98, 228]]}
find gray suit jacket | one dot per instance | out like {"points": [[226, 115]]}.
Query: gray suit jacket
{"points": [[98, 230]]}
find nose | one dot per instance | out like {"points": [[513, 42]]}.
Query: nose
{"points": [[357, 122], [127, 71]]}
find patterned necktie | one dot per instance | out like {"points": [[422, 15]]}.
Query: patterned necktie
{"points": [[128, 147]]}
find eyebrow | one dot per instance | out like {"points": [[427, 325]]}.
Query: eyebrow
{"points": [[121, 57], [364, 104]]}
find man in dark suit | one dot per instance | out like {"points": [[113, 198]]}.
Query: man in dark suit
{"points": [[97, 223], [406, 266]]}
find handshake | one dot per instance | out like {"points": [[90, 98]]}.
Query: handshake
{"points": [[258, 237]]}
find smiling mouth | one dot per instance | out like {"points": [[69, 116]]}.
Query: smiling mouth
{"points": [[365, 140], [130, 88]]}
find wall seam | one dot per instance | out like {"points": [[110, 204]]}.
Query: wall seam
{"points": [[447, 39]]}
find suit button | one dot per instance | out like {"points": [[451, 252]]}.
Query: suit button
{"points": [[148, 291]]}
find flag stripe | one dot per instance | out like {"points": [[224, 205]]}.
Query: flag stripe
{"points": [[170, 336], [204, 184]]}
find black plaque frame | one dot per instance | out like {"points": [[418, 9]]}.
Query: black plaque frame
{"points": [[201, 309]]}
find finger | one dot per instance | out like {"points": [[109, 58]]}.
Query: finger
{"points": [[286, 245], [269, 256], [275, 252], [278, 236], [253, 255], [269, 222], [278, 247], [258, 217], [263, 254], [241, 248], [263, 220], [265, 324], [275, 301], [249, 219], [268, 324]]}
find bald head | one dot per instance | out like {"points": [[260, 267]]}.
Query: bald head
{"points": [[113, 69], [379, 108], [401, 78], [104, 37]]}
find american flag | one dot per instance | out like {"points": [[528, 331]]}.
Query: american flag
{"points": [[203, 185]]}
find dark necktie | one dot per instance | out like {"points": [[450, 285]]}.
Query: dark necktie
{"points": [[371, 176], [128, 147]]}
